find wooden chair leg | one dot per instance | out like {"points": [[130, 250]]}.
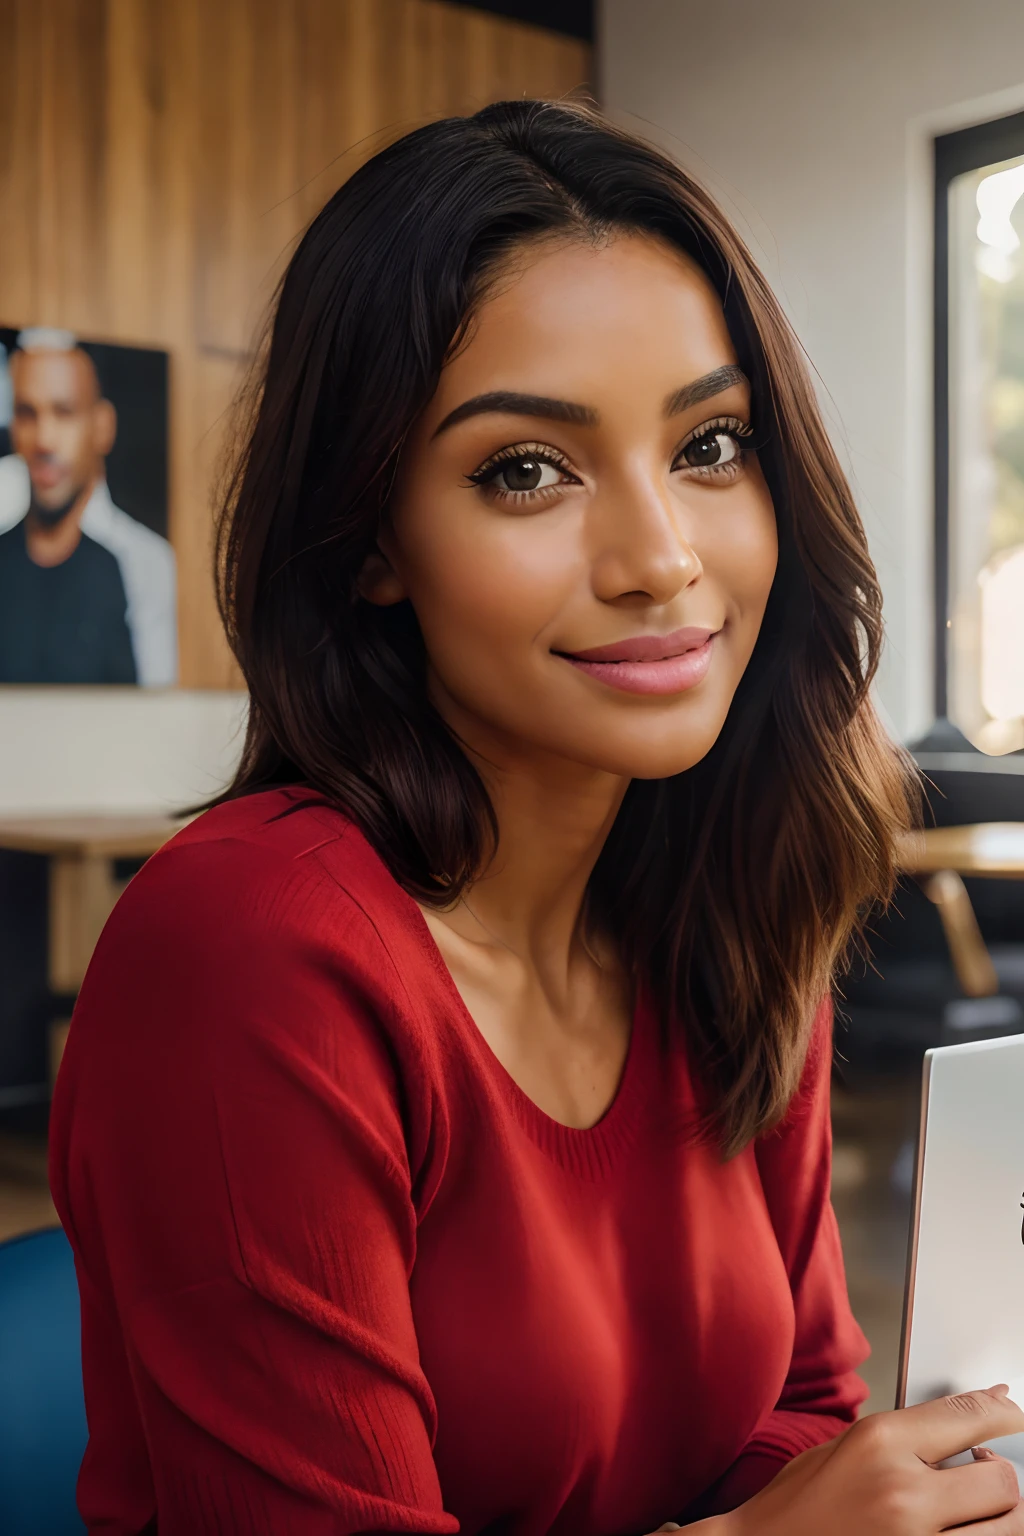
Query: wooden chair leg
{"points": [[971, 960]]}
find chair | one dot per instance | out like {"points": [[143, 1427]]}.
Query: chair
{"points": [[943, 944], [42, 1410]]}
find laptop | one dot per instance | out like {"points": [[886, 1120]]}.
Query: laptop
{"points": [[963, 1316]]}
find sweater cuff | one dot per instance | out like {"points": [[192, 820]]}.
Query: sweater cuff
{"points": [[785, 1435]]}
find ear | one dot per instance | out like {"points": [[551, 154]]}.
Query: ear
{"points": [[106, 427], [379, 582]]}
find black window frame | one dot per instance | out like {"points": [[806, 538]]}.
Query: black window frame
{"points": [[967, 149]]}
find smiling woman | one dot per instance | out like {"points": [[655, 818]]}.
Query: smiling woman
{"points": [[566, 550], [494, 998]]}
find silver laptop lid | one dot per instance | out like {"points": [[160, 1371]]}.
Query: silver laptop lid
{"points": [[964, 1309]]}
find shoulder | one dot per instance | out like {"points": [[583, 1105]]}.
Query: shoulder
{"points": [[252, 857], [275, 893], [15, 489], [126, 536], [244, 974]]}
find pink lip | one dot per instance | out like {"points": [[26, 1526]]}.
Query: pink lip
{"points": [[46, 475], [648, 647], [652, 664]]}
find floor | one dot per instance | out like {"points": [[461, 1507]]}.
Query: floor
{"points": [[871, 1120], [873, 1126]]}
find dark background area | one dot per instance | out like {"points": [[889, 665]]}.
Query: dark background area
{"points": [[134, 380], [26, 1006], [573, 17]]}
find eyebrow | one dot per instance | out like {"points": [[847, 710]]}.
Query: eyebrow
{"points": [[509, 403], [714, 383]]}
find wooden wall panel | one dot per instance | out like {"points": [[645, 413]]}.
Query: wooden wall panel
{"points": [[159, 158]]}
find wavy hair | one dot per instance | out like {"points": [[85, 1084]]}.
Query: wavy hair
{"points": [[732, 889]]}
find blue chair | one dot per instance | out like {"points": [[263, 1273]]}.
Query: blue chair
{"points": [[42, 1411]]}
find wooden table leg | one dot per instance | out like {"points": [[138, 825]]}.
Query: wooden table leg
{"points": [[971, 959], [83, 891]]}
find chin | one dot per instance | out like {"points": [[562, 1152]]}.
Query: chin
{"points": [[650, 760], [672, 742], [667, 767]]}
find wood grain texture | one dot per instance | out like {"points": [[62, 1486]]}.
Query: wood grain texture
{"points": [[994, 849], [159, 160]]}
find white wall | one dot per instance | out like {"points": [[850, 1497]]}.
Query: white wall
{"points": [[114, 749], [811, 121]]}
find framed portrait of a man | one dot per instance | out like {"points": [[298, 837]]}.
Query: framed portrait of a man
{"points": [[87, 574]]}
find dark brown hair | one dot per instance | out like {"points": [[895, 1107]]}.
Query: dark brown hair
{"points": [[733, 889]]}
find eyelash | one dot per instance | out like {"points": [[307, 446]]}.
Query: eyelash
{"points": [[541, 453], [724, 426]]}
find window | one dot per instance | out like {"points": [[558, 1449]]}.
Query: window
{"points": [[979, 437]]}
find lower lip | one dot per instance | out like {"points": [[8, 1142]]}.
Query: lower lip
{"points": [[46, 478], [672, 675]]}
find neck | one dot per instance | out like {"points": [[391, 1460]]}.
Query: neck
{"points": [[52, 542], [553, 819]]}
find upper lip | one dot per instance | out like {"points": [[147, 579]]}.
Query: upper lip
{"points": [[648, 647], [45, 467]]}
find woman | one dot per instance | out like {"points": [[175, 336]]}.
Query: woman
{"points": [[443, 1133]]}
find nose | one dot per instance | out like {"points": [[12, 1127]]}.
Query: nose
{"points": [[641, 553], [46, 435]]}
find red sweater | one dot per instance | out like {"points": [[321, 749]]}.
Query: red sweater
{"points": [[338, 1273]]}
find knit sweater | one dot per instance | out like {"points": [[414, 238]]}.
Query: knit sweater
{"points": [[339, 1273]]}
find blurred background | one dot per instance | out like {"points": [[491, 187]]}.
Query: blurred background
{"points": [[157, 163]]}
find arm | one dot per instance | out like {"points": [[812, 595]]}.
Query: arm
{"points": [[230, 1162], [822, 1393]]}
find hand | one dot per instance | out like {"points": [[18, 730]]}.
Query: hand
{"points": [[880, 1476]]}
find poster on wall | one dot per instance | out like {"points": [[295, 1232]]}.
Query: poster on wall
{"points": [[87, 575]]}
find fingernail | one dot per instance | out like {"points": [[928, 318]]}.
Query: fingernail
{"points": [[1001, 1388], [982, 1453]]}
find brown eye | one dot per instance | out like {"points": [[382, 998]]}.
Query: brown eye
{"points": [[711, 448], [521, 475]]}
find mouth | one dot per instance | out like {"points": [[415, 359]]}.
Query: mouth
{"points": [[45, 475], [651, 664]]}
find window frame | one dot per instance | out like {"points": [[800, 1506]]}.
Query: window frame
{"points": [[967, 149]]}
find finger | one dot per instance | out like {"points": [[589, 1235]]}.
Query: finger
{"points": [[980, 1491], [939, 1429], [1003, 1525]]}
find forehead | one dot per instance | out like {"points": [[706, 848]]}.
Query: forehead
{"points": [[574, 320], [45, 375]]}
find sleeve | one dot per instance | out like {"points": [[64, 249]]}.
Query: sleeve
{"points": [[230, 1160], [823, 1392], [150, 573]]}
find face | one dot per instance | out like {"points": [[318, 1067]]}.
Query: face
{"points": [[579, 522], [61, 428]]}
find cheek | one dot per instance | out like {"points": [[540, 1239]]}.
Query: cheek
{"points": [[76, 442], [487, 583], [741, 555]]}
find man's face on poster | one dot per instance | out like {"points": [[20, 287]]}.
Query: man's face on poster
{"points": [[62, 426]]}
